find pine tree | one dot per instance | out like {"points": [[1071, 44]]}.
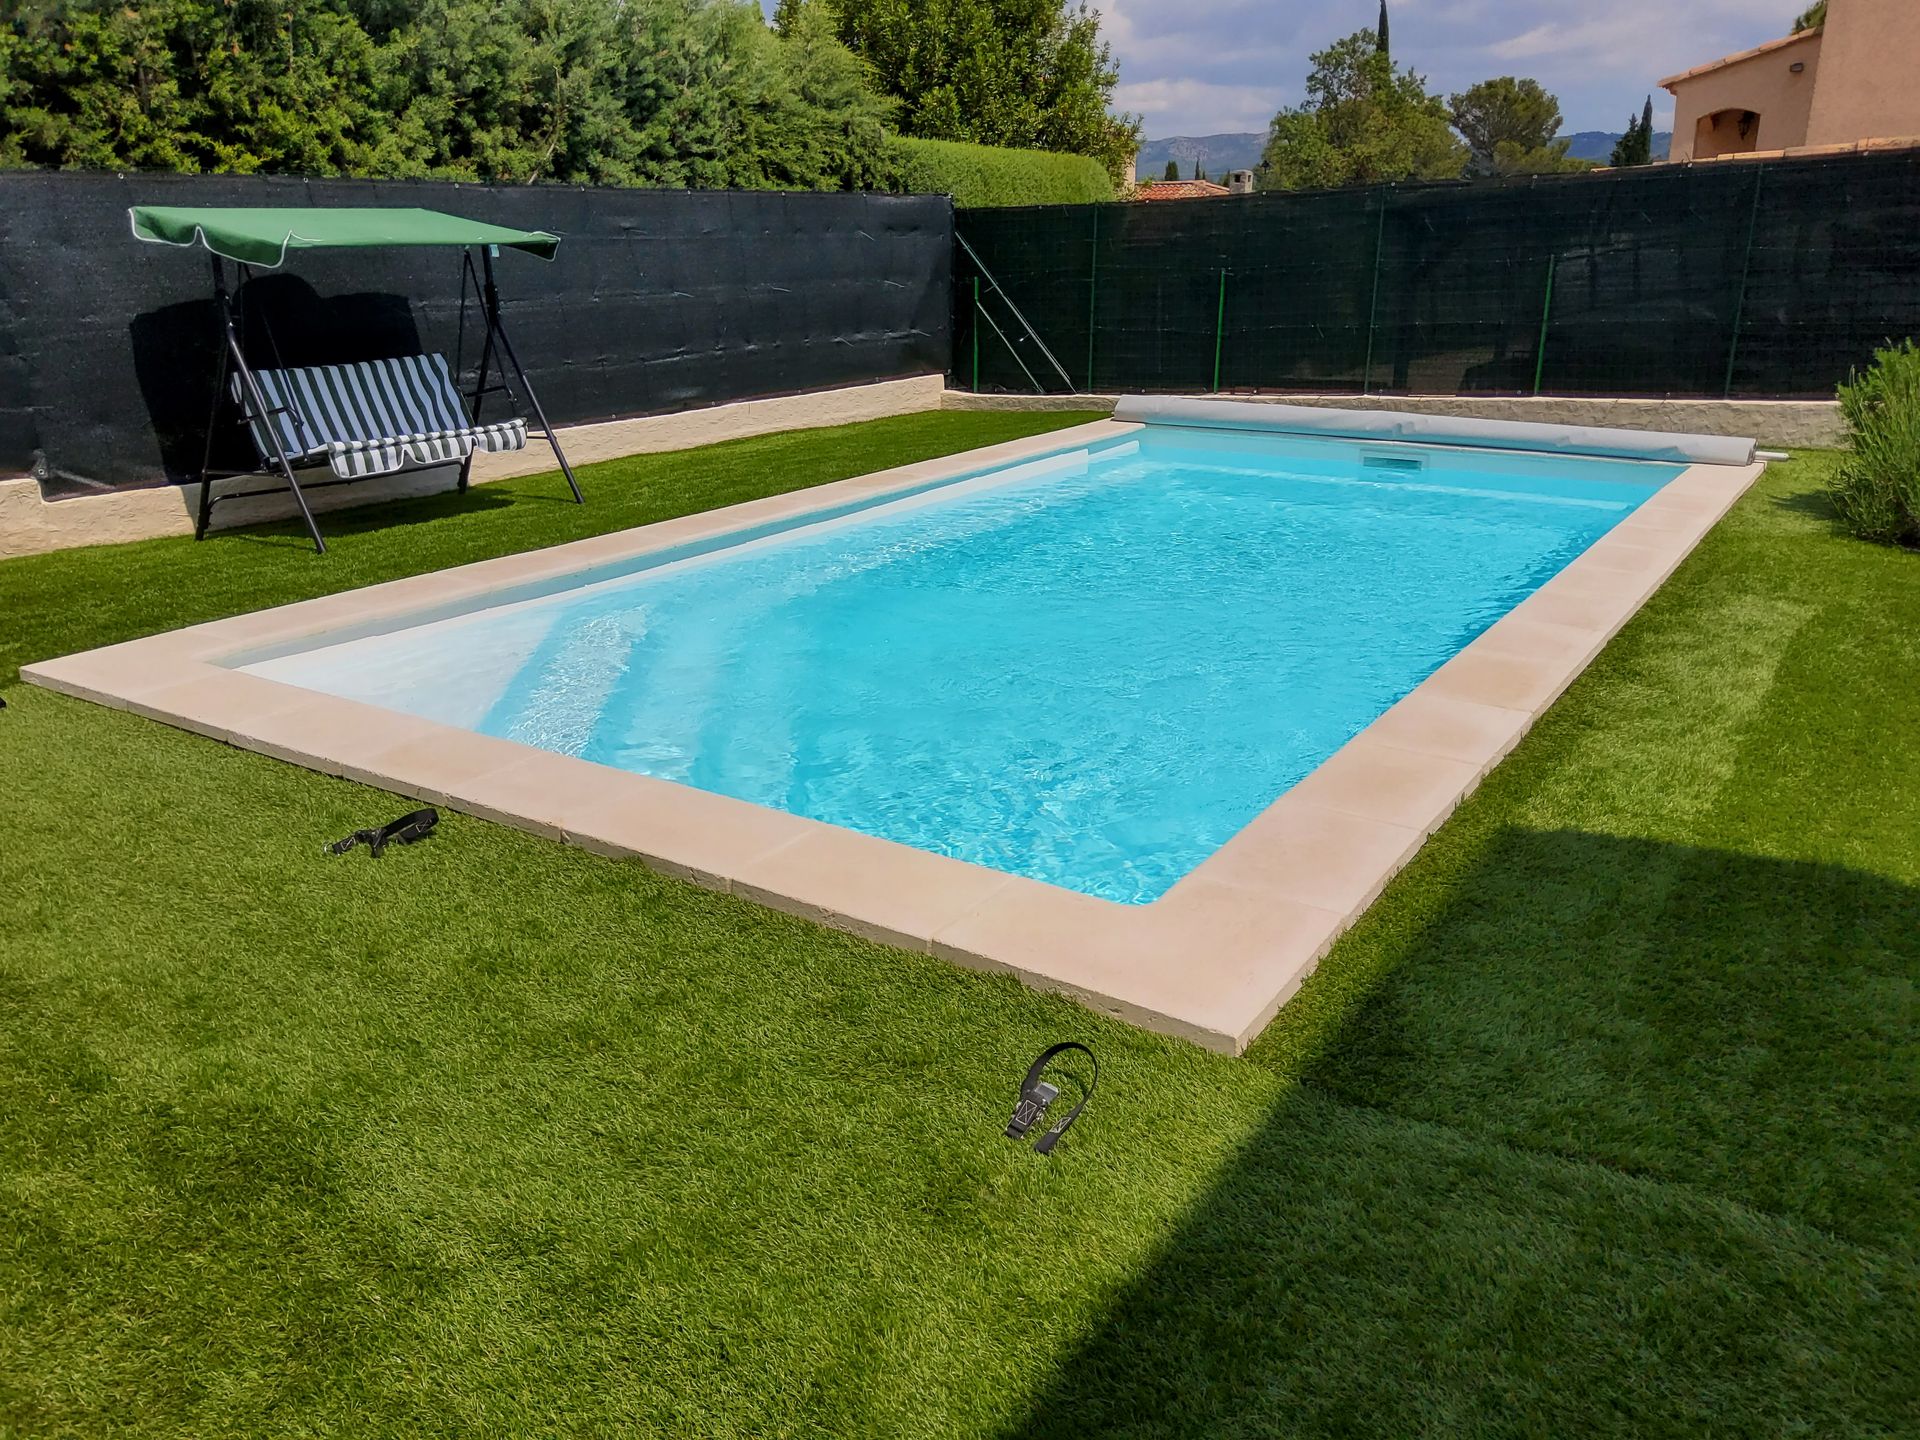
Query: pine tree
{"points": [[1636, 146]]}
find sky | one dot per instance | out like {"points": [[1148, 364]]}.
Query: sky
{"points": [[1203, 67]]}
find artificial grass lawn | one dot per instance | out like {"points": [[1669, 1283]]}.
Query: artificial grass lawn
{"points": [[1603, 1120]]}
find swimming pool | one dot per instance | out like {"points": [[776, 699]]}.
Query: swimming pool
{"points": [[1084, 654], [1092, 669]]}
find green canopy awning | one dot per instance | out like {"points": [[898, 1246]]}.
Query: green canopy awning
{"points": [[264, 236]]}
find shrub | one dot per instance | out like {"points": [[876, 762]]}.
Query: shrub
{"points": [[980, 175], [1876, 488]]}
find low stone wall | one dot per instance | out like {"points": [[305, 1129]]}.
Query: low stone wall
{"points": [[1781, 424], [31, 524]]}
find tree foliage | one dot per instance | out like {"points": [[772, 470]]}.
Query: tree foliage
{"points": [[1814, 16], [1033, 74], [655, 92], [1510, 127], [1363, 121]]}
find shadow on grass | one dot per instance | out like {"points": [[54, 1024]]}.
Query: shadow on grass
{"points": [[374, 515], [1623, 1141], [1814, 503]]}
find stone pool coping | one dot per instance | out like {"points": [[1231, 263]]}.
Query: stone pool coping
{"points": [[1212, 960]]}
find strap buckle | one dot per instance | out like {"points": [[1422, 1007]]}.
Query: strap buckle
{"points": [[415, 825], [1037, 1094]]}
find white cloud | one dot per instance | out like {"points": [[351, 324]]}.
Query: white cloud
{"points": [[1198, 107]]}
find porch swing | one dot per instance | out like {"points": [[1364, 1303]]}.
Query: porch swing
{"points": [[366, 418]]}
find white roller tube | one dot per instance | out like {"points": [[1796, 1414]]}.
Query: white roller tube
{"points": [[1402, 425]]}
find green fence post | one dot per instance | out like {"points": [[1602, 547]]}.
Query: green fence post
{"points": [[1219, 328], [1373, 305], [976, 334], [1093, 291], [1546, 311], [1740, 298]]}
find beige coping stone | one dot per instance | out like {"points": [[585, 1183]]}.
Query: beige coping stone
{"points": [[326, 733], [1529, 638], [114, 675], [1203, 968], [1628, 554], [693, 834], [1429, 723], [1371, 778], [546, 794], [1649, 521], [220, 704], [1595, 608], [1507, 681], [877, 888], [1298, 851], [1211, 960], [441, 765]]}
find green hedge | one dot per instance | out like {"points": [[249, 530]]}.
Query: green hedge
{"points": [[978, 175]]}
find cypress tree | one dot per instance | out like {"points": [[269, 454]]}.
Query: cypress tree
{"points": [[1380, 41]]}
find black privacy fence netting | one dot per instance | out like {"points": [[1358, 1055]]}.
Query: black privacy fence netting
{"points": [[657, 301], [1753, 279]]}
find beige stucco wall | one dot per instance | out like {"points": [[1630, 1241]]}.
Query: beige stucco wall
{"points": [[1764, 84], [30, 524], [1869, 72]]}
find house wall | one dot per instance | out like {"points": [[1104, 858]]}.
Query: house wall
{"points": [[1868, 62], [1764, 84]]}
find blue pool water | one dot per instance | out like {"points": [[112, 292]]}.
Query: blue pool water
{"points": [[1092, 673]]}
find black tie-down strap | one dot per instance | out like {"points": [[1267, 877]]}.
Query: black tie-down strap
{"points": [[1036, 1094], [404, 831]]}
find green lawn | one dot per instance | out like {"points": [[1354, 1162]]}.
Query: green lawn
{"points": [[1605, 1120]]}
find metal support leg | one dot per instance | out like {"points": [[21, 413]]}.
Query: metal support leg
{"points": [[486, 364], [225, 310], [205, 511], [236, 356], [495, 328], [259, 403]]}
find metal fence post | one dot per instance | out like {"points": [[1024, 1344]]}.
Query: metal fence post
{"points": [[1740, 298], [1373, 305], [974, 331], [1546, 312], [1219, 328], [1093, 291]]}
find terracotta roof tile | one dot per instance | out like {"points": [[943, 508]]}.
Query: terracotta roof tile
{"points": [[1181, 190]]}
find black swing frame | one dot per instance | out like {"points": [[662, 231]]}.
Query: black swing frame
{"points": [[254, 408]]}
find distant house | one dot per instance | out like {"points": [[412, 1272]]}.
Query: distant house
{"points": [[1847, 84], [1180, 190]]}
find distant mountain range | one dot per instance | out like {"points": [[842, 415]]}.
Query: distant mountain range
{"points": [[1217, 154], [1597, 145]]}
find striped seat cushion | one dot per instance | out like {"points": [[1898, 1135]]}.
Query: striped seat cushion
{"points": [[373, 417]]}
